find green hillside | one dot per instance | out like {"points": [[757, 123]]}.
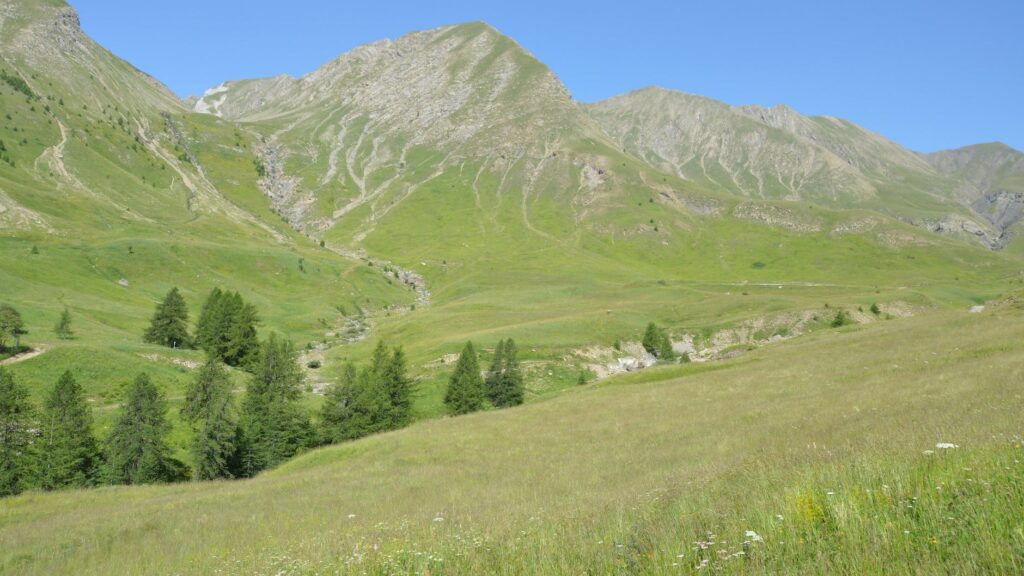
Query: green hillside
{"points": [[824, 447], [814, 279]]}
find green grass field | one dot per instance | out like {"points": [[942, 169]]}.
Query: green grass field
{"points": [[823, 446]]}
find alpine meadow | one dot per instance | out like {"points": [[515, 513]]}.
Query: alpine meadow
{"points": [[420, 311]]}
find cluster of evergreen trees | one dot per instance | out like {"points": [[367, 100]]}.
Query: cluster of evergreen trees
{"points": [[501, 387], [657, 342], [363, 402], [226, 328], [57, 449]]}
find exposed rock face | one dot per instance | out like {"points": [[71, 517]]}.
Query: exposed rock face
{"points": [[991, 179], [288, 200], [458, 86], [48, 36], [775, 216]]}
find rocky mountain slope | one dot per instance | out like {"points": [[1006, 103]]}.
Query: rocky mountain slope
{"points": [[776, 152], [456, 166], [990, 178]]}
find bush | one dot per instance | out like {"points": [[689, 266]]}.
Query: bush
{"points": [[842, 319], [313, 364]]}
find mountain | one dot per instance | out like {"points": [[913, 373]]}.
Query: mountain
{"points": [[112, 192], [775, 152], [444, 187], [438, 188], [990, 178]]}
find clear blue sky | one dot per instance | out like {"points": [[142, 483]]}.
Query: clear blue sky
{"points": [[930, 74]]}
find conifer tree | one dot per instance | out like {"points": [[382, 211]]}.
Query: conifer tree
{"points": [[227, 329], [657, 342], [509, 389], [17, 420], [63, 327], [465, 387], [398, 389], [242, 346], [11, 326], [169, 326], [205, 325], [209, 408], [665, 351], [370, 407], [137, 452], [493, 378], [652, 339], [336, 412], [69, 453], [274, 424]]}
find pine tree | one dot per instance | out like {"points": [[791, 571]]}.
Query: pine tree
{"points": [[336, 412], [63, 327], [652, 339], [274, 424], [493, 378], [169, 326], [69, 453], [509, 390], [227, 329], [465, 387], [209, 408], [11, 326], [17, 420], [205, 325], [665, 351], [242, 347], [137, 452], [370, 407], [398, 388]]}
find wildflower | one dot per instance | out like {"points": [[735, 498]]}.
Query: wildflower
{"points": [[753, 536], [929, 452], [946, 445]]}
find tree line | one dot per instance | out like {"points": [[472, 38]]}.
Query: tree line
{"points": [[55, 447], [226, 328], [501, 386]]}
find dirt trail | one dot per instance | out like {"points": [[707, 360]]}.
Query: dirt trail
{"points": [[42, 349]]}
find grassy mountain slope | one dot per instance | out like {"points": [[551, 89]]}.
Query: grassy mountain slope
{"points": [[111, 193], [452, 153], [822, 446]]}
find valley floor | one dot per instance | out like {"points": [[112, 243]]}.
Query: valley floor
{"points": [[889, 448]]}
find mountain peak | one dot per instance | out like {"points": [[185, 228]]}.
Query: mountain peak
{"points": [[452, 83]]}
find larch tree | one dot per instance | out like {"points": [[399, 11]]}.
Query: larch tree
{"points": [[274, 424], [63, 327], [69, 453], [169, 326], [398, 388], [493, 378], [509, 390], [137, 450], [209, 408], [465, 387], [12, 326], [17, 422]]}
